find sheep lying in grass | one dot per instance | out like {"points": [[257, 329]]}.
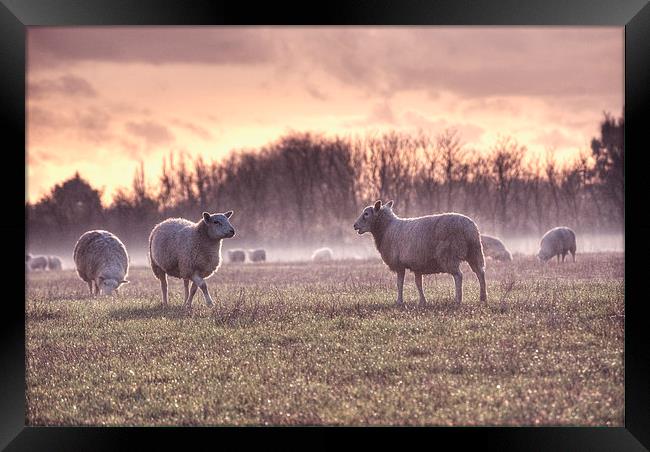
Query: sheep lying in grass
{"points": [[425, 245], [38, 263], [322, 255], [558, 241], [494, 248], [190, 251], [54, 263], [101, 261], [257, 255], [237, 255]]}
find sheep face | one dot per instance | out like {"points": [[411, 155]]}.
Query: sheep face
{"points": [[218, 225], [366, 219], [543, 255], [108, 285]]}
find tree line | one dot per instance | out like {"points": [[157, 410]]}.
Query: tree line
{"points": [[307, 187]]}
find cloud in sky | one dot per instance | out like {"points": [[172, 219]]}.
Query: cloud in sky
{"points": [[129, 92]]}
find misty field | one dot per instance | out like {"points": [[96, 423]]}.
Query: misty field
{"points": [[300, 343]]}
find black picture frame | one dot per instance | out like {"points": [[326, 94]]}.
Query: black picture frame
{"points": [[634, 15]]}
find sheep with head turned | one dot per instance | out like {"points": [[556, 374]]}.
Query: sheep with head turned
{"points": [[189, 250], [494, 248], [425, 245], [557, 242], [101, 260]]}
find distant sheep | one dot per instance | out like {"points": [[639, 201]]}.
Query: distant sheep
{"points": [[257, 255], [101, 260], [557, 242], [425, 245], [236, 255], [28, 257], [38, 263], [190, 251], [54, 263], [494, 248], [322, 255]]}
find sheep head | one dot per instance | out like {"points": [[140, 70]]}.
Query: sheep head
{"points": [[218, 225], [369, 215]]}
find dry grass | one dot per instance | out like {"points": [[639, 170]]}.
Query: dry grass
{"points": [[324, 344]]}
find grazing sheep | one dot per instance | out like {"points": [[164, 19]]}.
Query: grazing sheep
{"points": [[190, 251], [257, 255], [425, 245], [236, 255], [54, 263], [494, 248], [558, 241], [38, 263], [101, 261], [322, 255]]}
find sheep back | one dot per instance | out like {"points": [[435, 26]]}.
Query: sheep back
{"points": [[322, 255], [429, 244], [100, 253]]}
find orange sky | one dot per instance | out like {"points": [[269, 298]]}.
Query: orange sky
{"points": [[100, 99]]}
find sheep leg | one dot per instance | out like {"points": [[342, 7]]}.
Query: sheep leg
{"points": [[458, 279], [90, 286], [400, 287], [563, 256], [186, 283], [190, 296], [200, 282], [163, 288], [573, 254], [480, 274], [418, 283]]}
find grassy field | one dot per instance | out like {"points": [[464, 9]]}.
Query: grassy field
{"points": [[325, 344]]}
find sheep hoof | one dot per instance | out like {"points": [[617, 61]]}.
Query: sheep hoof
{"points": [[422, 303], [209, 303], [399, 303]]}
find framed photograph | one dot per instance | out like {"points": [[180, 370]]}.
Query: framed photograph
{"points": [[416, 215]]}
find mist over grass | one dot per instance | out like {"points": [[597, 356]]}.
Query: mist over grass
{"points": [[300, 344]]}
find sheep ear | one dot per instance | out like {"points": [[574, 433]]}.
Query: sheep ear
{"points": [[390, 203], [378, 205], [228, 214], [206, 216]]}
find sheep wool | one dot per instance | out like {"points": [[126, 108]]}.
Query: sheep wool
{"points": [[557, 242], [494, 248], [425, 245], [190, 251], [101, 261]]}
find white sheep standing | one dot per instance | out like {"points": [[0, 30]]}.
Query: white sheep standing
{"points": [[257, 255], [190, 251], [237, 255], [54, 263], [38, 263], [494, 248], [101, 260], [425, 245], [322, 255], [557, 242]]}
